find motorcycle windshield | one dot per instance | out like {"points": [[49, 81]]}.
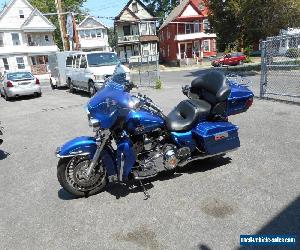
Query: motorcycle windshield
{"points": [[111, 102]]}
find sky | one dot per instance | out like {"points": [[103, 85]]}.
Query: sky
{"points": [[101, 8]]}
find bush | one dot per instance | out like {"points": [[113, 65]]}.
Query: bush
{"points": [[158, 84], [248, 60], [293, 52]]}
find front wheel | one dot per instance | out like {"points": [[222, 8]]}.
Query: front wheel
{"points": [[71, 174]]}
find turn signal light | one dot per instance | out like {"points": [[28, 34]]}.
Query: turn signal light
{"points": [[9, 84], [249, 102]]}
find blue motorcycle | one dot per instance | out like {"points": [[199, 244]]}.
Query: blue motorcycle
{"points": [[134, 140]]}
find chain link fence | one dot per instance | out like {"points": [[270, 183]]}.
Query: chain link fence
{"points": [[280, 68], [144, 70]]}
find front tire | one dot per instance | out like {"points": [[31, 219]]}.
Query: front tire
{"points": [[71, 176]]}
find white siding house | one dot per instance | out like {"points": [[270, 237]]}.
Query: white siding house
{"points": [[26, 38], [93, 35]]}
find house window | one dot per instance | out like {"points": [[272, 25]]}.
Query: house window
{"points": [[144, 28], [153, 28], [134, 7], [213, 45], [206, 45], [99, 33], [126, 30], [162, 36], [196, 27], [1, 39], [69, 61], [21, 13], [93, 33], [197, 46], [168, 50], [206, 24], [5, 62], [15, 38], [87, 33], [20, 62], [188, 28], [33, 60], [46, 38]]}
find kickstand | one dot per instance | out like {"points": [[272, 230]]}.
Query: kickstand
{"points": [[147, 195]]}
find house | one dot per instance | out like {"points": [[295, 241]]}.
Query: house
{"points": [[93, 35], [184, 35], [26, 38], [289, 39], [136, 29]]}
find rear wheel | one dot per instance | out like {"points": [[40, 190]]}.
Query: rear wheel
{"points": [[92, 90], [71, 174], [51, 84], [6, 97], [71, 86]]}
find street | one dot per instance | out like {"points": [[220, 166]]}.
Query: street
{"points": [[206, 205]]}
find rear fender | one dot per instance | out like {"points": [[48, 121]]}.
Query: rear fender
{"points": [[86, 146]]}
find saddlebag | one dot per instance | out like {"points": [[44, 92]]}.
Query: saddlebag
{"points": [[240, 99], [216, 137]]}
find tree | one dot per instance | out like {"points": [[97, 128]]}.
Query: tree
{"points": [[241, 23], [48, 6], [112, 38], [161, 8]]}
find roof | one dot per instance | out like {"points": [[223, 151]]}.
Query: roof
{"points": [[34, 13], [176, 12], [91, 17], [126, 7], [10, 4]]}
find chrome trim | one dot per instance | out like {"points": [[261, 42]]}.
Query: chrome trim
{"points": [[68, 156], [121, 167], [189, 160]]}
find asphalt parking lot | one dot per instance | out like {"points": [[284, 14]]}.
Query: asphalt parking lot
{"points": [[207, 205]]}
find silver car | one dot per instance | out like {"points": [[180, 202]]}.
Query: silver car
{"points": [[20, 83]]}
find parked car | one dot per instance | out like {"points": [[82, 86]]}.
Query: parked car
{"points": [[59, 64], [231, 59], [20, 83], [88, 71]]}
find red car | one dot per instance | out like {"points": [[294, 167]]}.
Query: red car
{"points": [[231, 59]]}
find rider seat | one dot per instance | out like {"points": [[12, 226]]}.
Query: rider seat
{"points": [[186, 114]]}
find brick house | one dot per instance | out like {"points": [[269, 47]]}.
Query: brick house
{"points": [[184, 36]]}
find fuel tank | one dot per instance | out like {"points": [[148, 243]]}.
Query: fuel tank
{"points": [[142, 121]]}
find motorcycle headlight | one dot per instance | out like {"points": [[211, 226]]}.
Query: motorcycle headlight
{"points": [[94, 123]]}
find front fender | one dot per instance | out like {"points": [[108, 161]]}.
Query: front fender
{"points": [[85, 145]]}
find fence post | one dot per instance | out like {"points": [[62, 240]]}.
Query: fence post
{"points": [[263, 69], [140, 66], [157, 67]]}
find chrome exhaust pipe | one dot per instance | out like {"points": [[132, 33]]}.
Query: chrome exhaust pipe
{"points": [[201, 157]]}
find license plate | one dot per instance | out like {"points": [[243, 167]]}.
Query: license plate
{"points": [[24, 83]]}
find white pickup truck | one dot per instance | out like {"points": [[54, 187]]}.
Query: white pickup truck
{"points": [[88, 71]]}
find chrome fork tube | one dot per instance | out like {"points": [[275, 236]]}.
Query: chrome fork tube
{"points": [[103, 139]]}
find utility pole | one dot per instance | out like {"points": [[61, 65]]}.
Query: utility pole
{"points": [[62, 25]]}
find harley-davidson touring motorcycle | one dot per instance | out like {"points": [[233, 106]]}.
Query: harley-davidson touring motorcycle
{"points": [[135, 140]]}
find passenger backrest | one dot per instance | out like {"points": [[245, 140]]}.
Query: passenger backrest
{"points": [[211, 87]]}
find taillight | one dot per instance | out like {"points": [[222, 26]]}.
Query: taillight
{"points": [[249, 103], [37, 81], [9, 84]]}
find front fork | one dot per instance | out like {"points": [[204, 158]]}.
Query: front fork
{"points": [[101, 139]]}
